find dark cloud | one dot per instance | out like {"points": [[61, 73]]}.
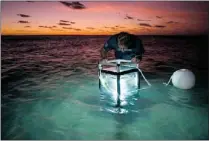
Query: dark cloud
{"points": [[27, 27], [114, 28], [129, 17], [23, 15], [50, 27], [77, 29], [110, 27], [67, 27], [74, 5], [143, 20], [160, 26], [145, 24], [172, 22], [63, 23], [117, 26], [54, 26], [23, 22], [159, 17], [30, 1], [90, 28], [147, 29]]}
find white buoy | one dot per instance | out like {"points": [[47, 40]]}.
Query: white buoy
{"points": [[183, 79]]}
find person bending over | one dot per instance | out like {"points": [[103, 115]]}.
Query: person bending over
{"points": [[125, 45]]}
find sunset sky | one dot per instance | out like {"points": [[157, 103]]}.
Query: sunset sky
{"points": [[104, 18]]}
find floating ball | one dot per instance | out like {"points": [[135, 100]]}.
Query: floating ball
{"points": [[183, 79]]}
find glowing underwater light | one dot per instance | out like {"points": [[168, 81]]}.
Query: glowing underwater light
{"points": [[128, 85], [119, 82]]}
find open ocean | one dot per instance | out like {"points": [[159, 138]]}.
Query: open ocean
{"points": [[49, 90]]}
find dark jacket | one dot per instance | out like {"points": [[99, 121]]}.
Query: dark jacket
{"points": [[136, 48]]}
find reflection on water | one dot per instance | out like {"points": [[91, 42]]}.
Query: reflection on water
{"points": [[179, 96], [188, 98], [50, 91]]}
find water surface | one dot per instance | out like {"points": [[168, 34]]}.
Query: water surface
{"points": [[50, 90]]}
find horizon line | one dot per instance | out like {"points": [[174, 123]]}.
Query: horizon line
{"points": [[108, 35]]}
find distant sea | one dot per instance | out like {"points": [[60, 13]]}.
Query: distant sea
{"points": [[49, 90]]}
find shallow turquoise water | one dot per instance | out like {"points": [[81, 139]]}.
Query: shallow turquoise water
{"points": [[72, 111]]}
